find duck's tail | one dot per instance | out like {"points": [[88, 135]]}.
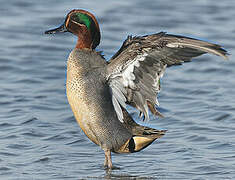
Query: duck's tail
{"points": [[142, 137]]}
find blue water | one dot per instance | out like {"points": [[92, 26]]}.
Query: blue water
{"points": [[39, 138]]}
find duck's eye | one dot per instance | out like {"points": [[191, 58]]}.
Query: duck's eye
{"points": [[82, 19]]}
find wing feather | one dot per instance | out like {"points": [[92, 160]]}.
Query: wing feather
{"points": [[134, 72]]}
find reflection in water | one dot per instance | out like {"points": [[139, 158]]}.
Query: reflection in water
{"points": [[110, 174]]}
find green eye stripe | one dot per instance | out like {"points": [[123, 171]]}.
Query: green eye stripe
{"points": [[83, 18]]}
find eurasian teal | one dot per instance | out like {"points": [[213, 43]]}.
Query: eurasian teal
{"points": [[98, 91]]}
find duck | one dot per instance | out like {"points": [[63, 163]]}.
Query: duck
{"points": [[100, 91]]}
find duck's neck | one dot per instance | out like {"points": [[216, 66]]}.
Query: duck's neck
{"points": [[84, 39]]}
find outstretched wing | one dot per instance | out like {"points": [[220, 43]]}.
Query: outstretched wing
{"points": [[134, 72]]}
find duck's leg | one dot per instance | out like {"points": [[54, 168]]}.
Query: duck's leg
{"points": [[108, 159]]}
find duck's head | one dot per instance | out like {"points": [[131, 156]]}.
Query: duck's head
{"points": [[82, 24]]}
